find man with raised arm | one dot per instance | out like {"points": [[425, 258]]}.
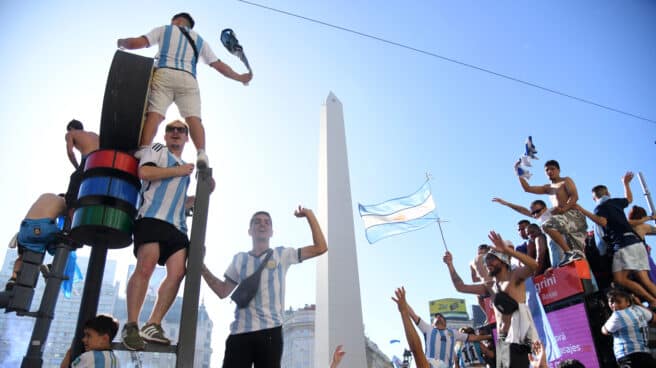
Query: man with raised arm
{"points": [[508, 290], [630, 256], [256, 333], [566, 226], [539, 211], [174, 80], [421, 361], [440, 340]]}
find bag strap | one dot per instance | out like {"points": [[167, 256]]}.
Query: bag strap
{"points": [[191, 41], [263, 264]]}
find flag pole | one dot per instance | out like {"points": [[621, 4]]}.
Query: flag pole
{"points": [[646, 192], [438, 220]]}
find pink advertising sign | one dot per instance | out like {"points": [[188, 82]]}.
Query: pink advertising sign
{"points": [[572, 331]]}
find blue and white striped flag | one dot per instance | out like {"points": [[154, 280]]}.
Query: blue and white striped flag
{"points": [[399, 215]]}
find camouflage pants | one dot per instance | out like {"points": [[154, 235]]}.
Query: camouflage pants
{"points": [[572, 226]]}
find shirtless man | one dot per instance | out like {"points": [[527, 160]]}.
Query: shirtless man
{"points": [[566, 226], [537, 248], [85, 143], [514, 319], [38, 229]]}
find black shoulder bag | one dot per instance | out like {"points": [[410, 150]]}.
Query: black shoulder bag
{"points": [[191, 41], [248, 287]]}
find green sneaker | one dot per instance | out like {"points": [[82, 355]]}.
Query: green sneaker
{"points": [[131, 338], [153, 332]]}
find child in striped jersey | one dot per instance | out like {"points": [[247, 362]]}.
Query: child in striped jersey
{"points": [[98, 335], [629, 326]]}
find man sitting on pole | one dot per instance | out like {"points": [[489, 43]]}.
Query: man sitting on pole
{"points": [[38, 230]]}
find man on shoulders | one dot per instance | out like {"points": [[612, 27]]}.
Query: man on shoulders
{"points": [[566, 226]]}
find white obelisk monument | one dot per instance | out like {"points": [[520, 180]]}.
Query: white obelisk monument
{"points": [[339, 310]]}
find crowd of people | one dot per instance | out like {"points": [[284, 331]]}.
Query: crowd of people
{"points": [[553, 237], [559, 236]]}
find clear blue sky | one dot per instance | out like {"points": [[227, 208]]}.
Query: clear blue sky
{"points": [[406, 113]]}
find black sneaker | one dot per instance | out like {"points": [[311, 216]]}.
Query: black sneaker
{"points": [[571, 256]]}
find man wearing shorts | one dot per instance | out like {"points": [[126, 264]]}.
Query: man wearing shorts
{"points": [[630, 255], [38, 231], [160, 234], [566, 226], [174, 80]]}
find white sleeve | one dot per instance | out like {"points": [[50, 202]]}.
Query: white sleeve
{"points": [[424, 327], [206, 54], [232, 273], [86, 360], [154, 37], [613, 323], [288, 256], [156, 154]]}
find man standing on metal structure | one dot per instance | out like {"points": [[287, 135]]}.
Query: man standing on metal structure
{"points": [[256, 333], [84, 142], [174, 80], [160, 234]]}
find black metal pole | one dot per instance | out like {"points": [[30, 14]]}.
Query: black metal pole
{"points": [[46, 313], [189, 318], [90, 296]]}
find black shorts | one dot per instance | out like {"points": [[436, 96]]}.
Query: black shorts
{"points": [[74, 187], [262, 348], [636, 360], [170, 239]]}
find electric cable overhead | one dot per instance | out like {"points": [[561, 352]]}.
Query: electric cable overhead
{"points": [[452, 60]]}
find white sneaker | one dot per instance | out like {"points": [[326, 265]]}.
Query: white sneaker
{"points": [[202, 162]]}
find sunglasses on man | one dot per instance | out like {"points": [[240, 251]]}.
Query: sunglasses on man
{"points": [[171, 129]]}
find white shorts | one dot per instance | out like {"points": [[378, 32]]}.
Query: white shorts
{"points": [[632, 257], [174, 86]]}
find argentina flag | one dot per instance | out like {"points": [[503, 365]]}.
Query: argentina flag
{"points": [[399, 215]]}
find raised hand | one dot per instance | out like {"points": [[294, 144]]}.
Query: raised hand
{"points": [[400, 301], [302, 211], [499, 200], [448, 258], [498, 243]]}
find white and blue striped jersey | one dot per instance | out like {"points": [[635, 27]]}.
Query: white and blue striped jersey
{"points": [[176, 52], [96, 359], [440, 344], [164, 199], [470, 355], [629, 328], [267, 307]]}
